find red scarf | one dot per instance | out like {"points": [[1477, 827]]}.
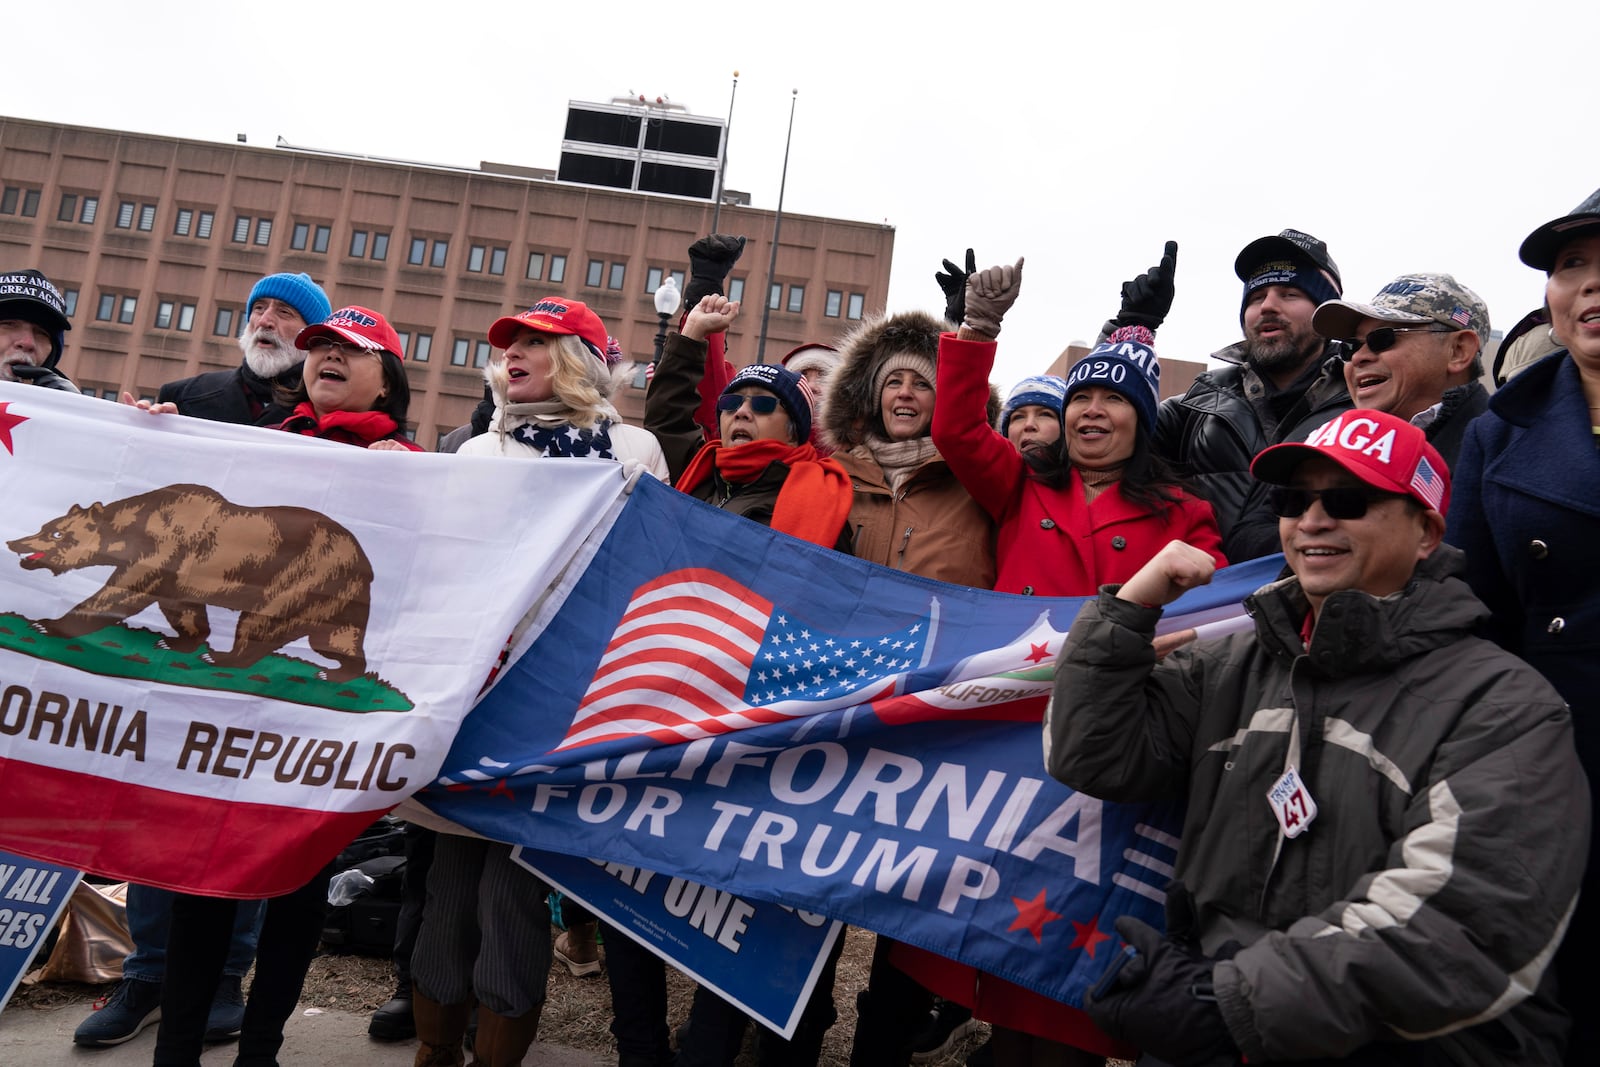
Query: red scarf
{"points": [[814, 500], [347, 427]]}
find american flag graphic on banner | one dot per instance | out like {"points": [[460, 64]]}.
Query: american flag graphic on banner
{"points": [[698, 654]]}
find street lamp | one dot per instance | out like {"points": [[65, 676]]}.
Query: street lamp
{"points": [[667, 300]]}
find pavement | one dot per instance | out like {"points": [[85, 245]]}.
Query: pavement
{"points": [[42, 1037]]}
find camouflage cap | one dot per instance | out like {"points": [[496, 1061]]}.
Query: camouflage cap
{"points": [[1541, 246], [1410, 298]]}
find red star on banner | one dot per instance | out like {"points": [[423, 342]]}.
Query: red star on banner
{"points": [[502, 790], [1088, 935], [1032, 915], [7, 423], [1038, 653]]}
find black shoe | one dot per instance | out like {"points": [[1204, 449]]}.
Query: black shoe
{"points": [[393, 1021], [947, 1024], [120, 1015], [983, 1055], [227, 1010]]}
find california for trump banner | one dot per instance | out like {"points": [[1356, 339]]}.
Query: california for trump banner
{"points": [[710, 700], [225, 650]]}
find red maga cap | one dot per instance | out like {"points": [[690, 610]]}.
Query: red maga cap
{"points": [[358, 326], [554, 314], [1382, 450]]}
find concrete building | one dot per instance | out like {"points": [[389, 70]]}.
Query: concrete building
{"points": [[156, 242]]}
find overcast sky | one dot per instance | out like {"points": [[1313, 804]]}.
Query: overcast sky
{"points": [[1408, 136]]}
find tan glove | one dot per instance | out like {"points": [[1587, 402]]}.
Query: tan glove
{"points": [[990, 293]]}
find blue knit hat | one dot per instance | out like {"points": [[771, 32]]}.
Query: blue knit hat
{"points": [[1045, 390], [296, 290], [790, 389], [1125, 363]]}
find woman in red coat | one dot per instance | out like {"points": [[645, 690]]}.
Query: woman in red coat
{"points": [[1083, 510]]}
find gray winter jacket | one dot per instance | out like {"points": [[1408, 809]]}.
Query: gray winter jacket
{"points": [[1425, 899]]}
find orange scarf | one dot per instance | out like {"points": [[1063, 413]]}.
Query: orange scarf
{"points": [[814, 500]]}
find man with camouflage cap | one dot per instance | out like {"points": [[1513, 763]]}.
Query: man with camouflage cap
{"points": [[1415, 350], [33, 322]]}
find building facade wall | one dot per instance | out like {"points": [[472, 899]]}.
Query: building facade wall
{"points": [[158, 240]]}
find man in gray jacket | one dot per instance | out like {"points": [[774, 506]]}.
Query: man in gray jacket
{"points": [[1387, 823]]}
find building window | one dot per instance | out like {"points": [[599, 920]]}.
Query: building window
{"points": [[19, 201], [797, 298], [422, 348], [736, 289], [130, 306], [224, 325], [185, 222], [69, 297], [597, 273], [405, 341], [835, 301], [497, 261], [380, 247], [618, 270], [319, 240], [652, 279], [69, 207], [263, 231], [186, 318], [203, 230], [164, 315], [419, 252], [856, 306], [558, 269], [124, 216], [535, 266], [460, 352], [358, 244], [147, 217], [91, 208], [475, 256], [241, 229], [300, 236], [107, 308], [441, 252], [775, 296], [481, 353]]}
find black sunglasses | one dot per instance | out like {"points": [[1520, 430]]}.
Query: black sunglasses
{"points": [[1384, 338], [1345, 502], [760, 403]]}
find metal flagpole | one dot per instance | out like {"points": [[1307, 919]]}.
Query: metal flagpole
{"points": [[777, 223], [722, 164]]}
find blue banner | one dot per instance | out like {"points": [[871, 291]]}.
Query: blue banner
{"points": [[718, 702], [763, 958], [32, 896]]}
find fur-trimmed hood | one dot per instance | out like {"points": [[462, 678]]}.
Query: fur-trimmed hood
{"points": [[850, 412]]}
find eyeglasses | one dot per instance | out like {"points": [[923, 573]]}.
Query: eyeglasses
{"points": [[760, 403], [323, 347], [1345, 502], [1384, 338]]}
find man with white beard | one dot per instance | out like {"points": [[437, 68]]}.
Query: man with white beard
{"points": [[280, 306]]}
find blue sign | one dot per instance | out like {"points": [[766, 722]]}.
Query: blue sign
{"points": [[32, 896]]}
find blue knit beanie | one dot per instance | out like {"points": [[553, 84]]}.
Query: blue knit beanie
{"points": [[1045, 390], [296, 290], [790, 389], [1125, 363]]}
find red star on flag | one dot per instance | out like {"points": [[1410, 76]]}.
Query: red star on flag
{"points": [[1038, 653], [1032, 915], [1088, 935], [502, 790], [7, 423]]}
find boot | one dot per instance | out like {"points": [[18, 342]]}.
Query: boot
{"points": [[502, 1041], [439, 1031]]}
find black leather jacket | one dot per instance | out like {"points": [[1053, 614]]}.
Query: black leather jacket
{"points": [[1211, 433]]}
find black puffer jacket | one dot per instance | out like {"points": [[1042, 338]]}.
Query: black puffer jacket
{"points": [[1211, 433], [239, 396]]}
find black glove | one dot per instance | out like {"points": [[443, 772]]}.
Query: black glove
{"points": [[1147, 298], [953, 283], [45, 376], [710, 260], [1157, 994]]}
